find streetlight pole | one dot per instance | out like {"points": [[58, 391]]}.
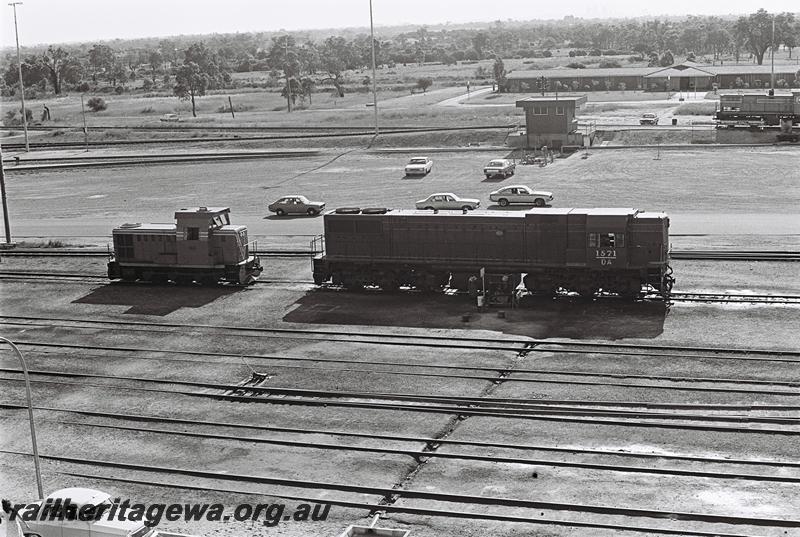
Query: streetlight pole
{"points": [[374, 81], [30, 416], [21, 86]]}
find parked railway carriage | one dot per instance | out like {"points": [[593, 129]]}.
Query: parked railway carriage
{"points": [[759, 108], [586, 250], [201, 246]]}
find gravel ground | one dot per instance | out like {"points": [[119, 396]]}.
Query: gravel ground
{"points": [[720, 208]]}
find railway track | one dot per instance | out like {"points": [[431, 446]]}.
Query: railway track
{"points": [[709, 297], [381, 439], [431, 404], [612, 518], [508, 343], [298, 135], [478, 373]]}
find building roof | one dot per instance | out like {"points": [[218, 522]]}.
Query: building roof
{"points": [[578, 100], [685, 69], [680, 70], [578, 73]]}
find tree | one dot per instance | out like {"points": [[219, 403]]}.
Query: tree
{"points": [[499, 72], [60, 68], [117, 72], [755, 31], [307, 86], [479, 42], [424, 83], [155, 59], [190, 82], [666, 59], [101, 58], [283, 54], [201, 71]]}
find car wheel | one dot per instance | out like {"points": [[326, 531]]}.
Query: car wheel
{"points": [[467, 208], [312, 212], [488, 176], [539, 202], [280, 212], [503, 202], [429, 208]]}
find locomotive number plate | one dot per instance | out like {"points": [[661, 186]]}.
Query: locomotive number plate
{"points": [[606, 256]]}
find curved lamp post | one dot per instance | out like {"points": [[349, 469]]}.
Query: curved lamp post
{"points": [[30, 415]]}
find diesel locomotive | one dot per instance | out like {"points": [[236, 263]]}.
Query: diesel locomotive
{"points": [[200, 246], [759, 108], [589, 251]]}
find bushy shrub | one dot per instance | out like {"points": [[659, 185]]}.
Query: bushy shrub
{"points": [[96, 104], [119, 90], [576, 65], [609, 64]]}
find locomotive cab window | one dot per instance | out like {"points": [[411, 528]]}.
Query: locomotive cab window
{"points": [[192, 233], [606, 240]]}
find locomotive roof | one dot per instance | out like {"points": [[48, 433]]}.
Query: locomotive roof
{"points": [[599, 211], [138, 226], [167, 228], [202, 210]]}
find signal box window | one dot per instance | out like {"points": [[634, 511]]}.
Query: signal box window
{"points": [[192, 233]]}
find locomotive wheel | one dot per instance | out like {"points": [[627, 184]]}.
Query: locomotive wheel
{"points": [[539, 202], [280, 212], [184, 280], [503, 202]]}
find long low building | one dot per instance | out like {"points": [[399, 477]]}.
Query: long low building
{"points": [[685, 76]]}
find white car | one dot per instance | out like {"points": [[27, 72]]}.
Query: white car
{"points": [[521, 194], [170, 118], [419, 166], [86, 501], [447, 200], [499, 167]]}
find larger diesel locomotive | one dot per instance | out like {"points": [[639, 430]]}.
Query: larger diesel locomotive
{"points": [[201, 246], [759, 108], [621, 251]]}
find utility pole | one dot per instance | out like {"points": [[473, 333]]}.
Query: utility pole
{"points": [[374, 81], [85, 130], [5, 203], [286, 72], [21, 85], [772, 50]]}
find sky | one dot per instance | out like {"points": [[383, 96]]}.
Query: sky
{"points": [[69, 21]]}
